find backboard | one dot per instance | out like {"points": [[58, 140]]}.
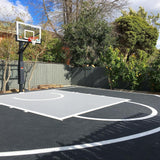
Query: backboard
{"points": [[28, 33]]}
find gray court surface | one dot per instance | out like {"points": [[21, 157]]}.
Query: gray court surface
{"points": [[79, 123], [58, 104]]}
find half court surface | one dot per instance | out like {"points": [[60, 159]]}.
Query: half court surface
{"points": [[79, 123]]}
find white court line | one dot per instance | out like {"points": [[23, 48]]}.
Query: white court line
{"points": [[63, 118], [153, 113], [25, 99], [61, 96], [91, 110], [30, 111], [120, 91], [79, 146]]}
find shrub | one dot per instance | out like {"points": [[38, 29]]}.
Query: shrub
{"points": [[112, 60], [154, 75]]}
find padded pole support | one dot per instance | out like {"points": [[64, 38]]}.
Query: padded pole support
{"points": [[21, 67]]}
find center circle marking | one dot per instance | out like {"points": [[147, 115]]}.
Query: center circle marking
{"points": [[40, 97]]}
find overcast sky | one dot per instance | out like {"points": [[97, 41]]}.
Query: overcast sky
{"points": [[149, 5], [13, 8]]}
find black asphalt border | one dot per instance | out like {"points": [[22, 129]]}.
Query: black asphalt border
{"points": [[19, 130]]}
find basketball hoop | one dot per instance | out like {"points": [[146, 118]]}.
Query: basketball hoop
{"points": [[28, 33], [33, 40]]}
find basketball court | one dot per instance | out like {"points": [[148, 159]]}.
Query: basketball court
{"points": [[76, 123], [79, 123]]}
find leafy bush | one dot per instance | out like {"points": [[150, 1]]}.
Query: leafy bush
{"points": [[136, 69], [54, 52], [154, 75], [112, 60], [132, 72]]}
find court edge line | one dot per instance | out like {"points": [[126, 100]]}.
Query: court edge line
{"points": [[94, 109], [154, 113], [79, 146], [26, 110], [90, 94], [103, 89]]}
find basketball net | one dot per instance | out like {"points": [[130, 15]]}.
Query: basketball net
{"points": [[32, 40]]}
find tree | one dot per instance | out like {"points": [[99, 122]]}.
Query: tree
{"points": [[8, 49], [54, 52], [151, 19], [154, 74], [135, 33], [112, 61], [36, 52], [137, 37], [135, 70], [61, 12], [87, 37], [8, 46]]}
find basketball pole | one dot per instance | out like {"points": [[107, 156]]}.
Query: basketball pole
{"points": [[21, 67], [22, 47], [25, 33]]}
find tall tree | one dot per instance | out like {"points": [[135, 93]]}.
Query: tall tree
{"points": [[152, 19], [87, 37], [136, 33], [60, 12]]}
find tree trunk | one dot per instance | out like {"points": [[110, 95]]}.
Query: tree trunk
{"points": [[77, 9], [64, 12], [34, 66], [110, 81], [5, 76], [31, 75]]}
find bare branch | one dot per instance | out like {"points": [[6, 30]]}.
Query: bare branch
{"points": [[49, 21]]}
